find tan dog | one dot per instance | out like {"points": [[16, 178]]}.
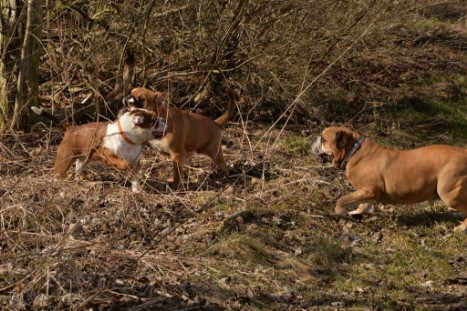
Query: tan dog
{"points": [[118, 144], [187, 133], [385, 175]]}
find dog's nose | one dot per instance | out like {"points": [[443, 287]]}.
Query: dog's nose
{"points": [[160, 123], [128, 100], [316, 146]]}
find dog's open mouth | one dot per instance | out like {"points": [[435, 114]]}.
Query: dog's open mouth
{"points": [[160, 129], [323, 158], [158, 134]]}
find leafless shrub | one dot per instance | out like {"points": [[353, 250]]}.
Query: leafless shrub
{"points": [[270, 50], [92, 244]]}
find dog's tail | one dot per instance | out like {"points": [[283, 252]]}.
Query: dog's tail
{"points": [[223, 119], [45, 114], [49, 116]]}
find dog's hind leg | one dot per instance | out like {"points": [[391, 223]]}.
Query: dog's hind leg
{"points": [[220, 162], [65, 158], [189, 158], [462, 227], [81, 163], [455, 197], [79, 166], [459, 203], [461, 207], [178, 168], [214, 151]]}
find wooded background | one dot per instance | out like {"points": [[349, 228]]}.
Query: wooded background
{"points": [[65, 53], [266, 237]]}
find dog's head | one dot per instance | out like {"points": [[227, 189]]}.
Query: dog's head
{"points": [[142, 125], [333, 144], [141, 97]]}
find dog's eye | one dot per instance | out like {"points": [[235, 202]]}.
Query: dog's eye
{"points": [[141, 99]]}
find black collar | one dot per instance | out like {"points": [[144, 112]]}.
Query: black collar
{"points": [[357, 146]]}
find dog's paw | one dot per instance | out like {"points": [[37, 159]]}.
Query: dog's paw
{"points": [[356, 216], [173, 184], [461, 228], [136, 189], [136, 186], [341, 214]]}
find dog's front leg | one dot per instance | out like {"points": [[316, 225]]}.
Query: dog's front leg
{"points": [[358, 197], [361, 209], [121, 164], [135, 178], [111, 159]]}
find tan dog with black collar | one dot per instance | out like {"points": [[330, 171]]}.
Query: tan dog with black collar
{"points": [[187, 133], [390, 176], [117, 144]]}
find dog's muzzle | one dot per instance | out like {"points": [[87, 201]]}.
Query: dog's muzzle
{"points": [[130, 100], [323, 158], [159, 128], [320, 155]]}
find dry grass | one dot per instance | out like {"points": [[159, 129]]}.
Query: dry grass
{"points": [[92, 244]]}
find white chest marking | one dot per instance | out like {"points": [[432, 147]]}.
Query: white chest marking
{"points": [[115, 143]]}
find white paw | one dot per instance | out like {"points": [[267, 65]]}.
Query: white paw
{"points": [[136, 188], [461, 228]]}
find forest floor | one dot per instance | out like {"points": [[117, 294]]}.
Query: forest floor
{"points": [[264, 238]]}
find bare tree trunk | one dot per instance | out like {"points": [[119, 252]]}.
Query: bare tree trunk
{"points": [[4, 105], [9, 43], [28, 76]]}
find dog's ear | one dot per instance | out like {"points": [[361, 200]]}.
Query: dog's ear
{"points": [[138, 119], [163, 99], [152, 116], [161, 103], [341, 139]]}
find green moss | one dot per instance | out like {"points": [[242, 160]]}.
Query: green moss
{"points": [[427, 24], [439, 77], [222, 206], [299, 145], [410, 126]]}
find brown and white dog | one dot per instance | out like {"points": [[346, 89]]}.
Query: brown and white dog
{"points": [[187, 133], [118, 144], [386, 175]]}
